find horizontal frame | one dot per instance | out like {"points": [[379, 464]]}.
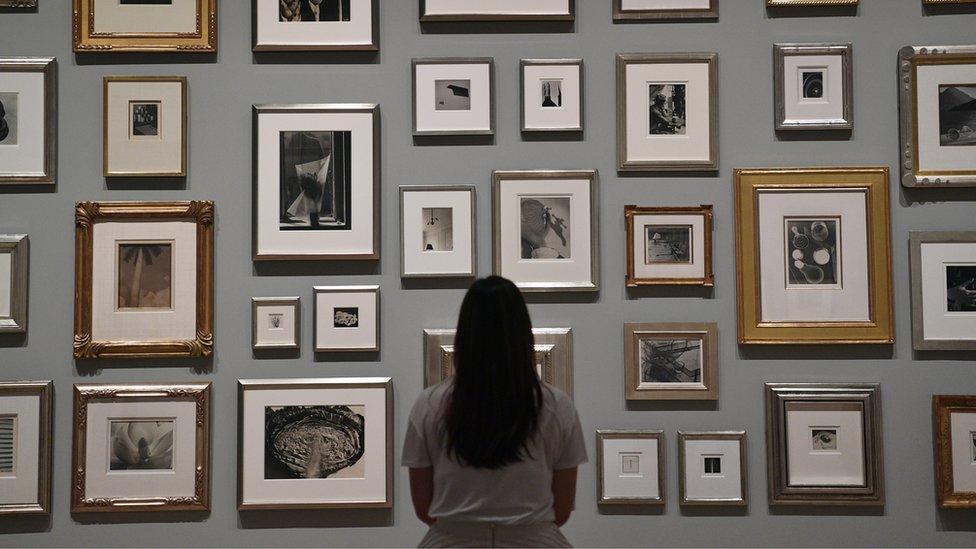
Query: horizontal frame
{"points": [[490, 61], [523, 63], [605, 434], [740, 436], [647, 15], [946, 2], [705, 210], [813, 3], [25, 4], [18, 245], [372, 46], [942, 408], [203, 40], [571, 16], [846, 52], [48, 66], [44, 390], [257, 302], [316, 290], [183, 121], [915, 240], [474, 228], [707, 332]]}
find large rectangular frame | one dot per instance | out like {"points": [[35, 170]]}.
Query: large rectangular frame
{"points": [[18, 245], [373, 46], [622, 15], [942, 408], [740, 437], [203, 40], [705, 210], [604, 434], [183, 120], [44, 390], [915, 241], [707, 331], [48, 66], [571, 16], [846, 53]]}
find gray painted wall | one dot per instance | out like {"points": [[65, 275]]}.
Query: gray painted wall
{"points": [[221, 92]]}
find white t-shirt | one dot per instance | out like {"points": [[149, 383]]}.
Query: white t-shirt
{"points": [[519, 493]]}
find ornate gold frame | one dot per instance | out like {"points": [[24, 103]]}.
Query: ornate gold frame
{"points": [[87, 393], [87, 214], [203, 40], [874, 182], [942, 408], [630, 211], [45, 391]]}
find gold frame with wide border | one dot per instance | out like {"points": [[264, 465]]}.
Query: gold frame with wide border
{"points": [[86, 40]]}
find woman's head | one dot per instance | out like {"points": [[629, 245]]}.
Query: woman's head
{"points": [[497, 395]]}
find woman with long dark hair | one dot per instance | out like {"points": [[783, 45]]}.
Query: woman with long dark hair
{"points": [[493, 451]]}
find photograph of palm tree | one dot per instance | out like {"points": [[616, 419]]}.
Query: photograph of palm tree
{"points": [[145, 275]]}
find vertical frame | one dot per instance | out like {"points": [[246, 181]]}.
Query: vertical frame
{"points": [[370, 289], [44, 390], [781, 52], [184, 122], [49, 67], [474, 228], [523, 63], [257, 302], [603, 435], [919, 340], [943, 406], [18, 246]]}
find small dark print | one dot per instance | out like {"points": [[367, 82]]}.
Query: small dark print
{"points": [[345, 317], [146, 2], [812, 253], [274, 321], [315, 181], [957, 115], [145, 275], [630, 464], [813, 84], [290, 11], [824, 440], [961, 288], [452, 95], [713, 465], [670, 360], [667, 109], [8, 452], [145, 118], [438, 229], [141, 444], [545, 227], [314, 442], [972, 446], [552, 93], [667, 244], [8, 118]]}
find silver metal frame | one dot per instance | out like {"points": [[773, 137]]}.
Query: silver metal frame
{"points": [[620, 14], [625, 165], [498, 176], [474, 229], [316, 290], [44, 390], [48, 66], [909, 58], [384, 383], [570, 16], [18, 245], [603, 434], [490, 61], [257, 302], [740, 436], [372, 46], [846, 52], [550, 62], [320, 108], [916, 239]]}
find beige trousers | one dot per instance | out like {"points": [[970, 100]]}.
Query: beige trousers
{"points": [[486, 534]]}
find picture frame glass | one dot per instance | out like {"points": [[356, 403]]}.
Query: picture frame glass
{"points": [[813, 87], [946, 118], [664, 5], [669, 246], [6, 282], [434, 8], [948, 290], [962, 426], [276, 323], [145, 17], [670, 361]]}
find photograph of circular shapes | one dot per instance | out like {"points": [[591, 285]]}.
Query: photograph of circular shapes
{"points": [[814, 87]]}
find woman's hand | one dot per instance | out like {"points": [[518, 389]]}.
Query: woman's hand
{"points": [[563, 493], [422, 492]]}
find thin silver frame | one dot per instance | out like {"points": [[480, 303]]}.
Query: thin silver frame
{"points": [[846, 53], [740, 437], [316, 290], [474, 229], [661, 14], [523, 63], [916, 240], [490, 61], [465, 17], [48, 66], [257, 302], [44, 390], [498, 176], [18, 246], [372, 46], [603, 434]]}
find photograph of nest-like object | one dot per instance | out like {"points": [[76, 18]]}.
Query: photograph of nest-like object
{"points": [[314, 442]]}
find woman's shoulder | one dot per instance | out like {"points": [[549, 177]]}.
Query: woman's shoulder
{"points": [[557, 399], [432, 398]]}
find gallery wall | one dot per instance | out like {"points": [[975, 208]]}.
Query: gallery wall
{"points": [[222, 88]]}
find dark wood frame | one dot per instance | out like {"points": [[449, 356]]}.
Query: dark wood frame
{"points": [[705, 210], [942, 408]]}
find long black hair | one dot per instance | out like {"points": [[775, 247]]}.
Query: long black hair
{"points": [[493, 410]]}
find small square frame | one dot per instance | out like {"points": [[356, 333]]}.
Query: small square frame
{"points": [[258, 302], [740, 436], [621, 15], [606, 434], [18, 245], [781, 52], [366, 289], [490, 61], [632, 211], [523, 63], [706, 332]]}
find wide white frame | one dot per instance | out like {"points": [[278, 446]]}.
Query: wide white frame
{"points": [[937, 322], [478, 120], [694, 269], [163, 156], [815, 468], [111, 17], [360, 33], [701, 488], [290, 309], [644, 483], [365, 337], [33, 159], [566, 118], [459, 262], [833, 111], [933, 157]]}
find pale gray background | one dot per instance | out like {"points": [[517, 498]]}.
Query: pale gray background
{"points": [[222, 89]]}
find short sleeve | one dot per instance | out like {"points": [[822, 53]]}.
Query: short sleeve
{"points": [[415, 452], [573, 450]]}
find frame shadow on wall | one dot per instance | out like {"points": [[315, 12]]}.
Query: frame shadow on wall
{"points": [[881, 351], [140, 517], [25, 524], [195, 366], [947, 9], [777, 12], [497, 27], [935, 194], [315, 518]]}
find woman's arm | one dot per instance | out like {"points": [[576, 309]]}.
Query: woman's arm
{"points": [[422, 492], [563, 493]]}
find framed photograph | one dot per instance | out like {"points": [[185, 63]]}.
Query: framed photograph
{"points": [[183, 26], [955, 450], [546, 229], [28, 120], [26, 4], [808, 3], [497, 10], [630, 467], [316, 182], [144, 284], [141, 447], [712, 468], [669, 246], [823, 444], [144, 126], [453, 96], [659, 10], [315, 443], [552, 95], [814, 86], [671, 361], [553, 356], [14, 263], [26, 415], [814, 256], [943, 290], [347, 318], [310, 25], [437, 231], [276, 322], [937, 93], [667, 112]]}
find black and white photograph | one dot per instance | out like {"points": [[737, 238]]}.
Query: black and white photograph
{"points": [[345, 317], [552, 93], [813, 83], [545, 227], [972, 446], [712, 465], [8, 118], [290, 11], [629, 464], [314, 442], [452, 95], [812, 253], [961, 288], [8, 424], [667, 109], [667, 244], [274, 321], [438, 231], [144, 119], [957, 115], [145, 279], [141, 444], [315, 180], [670, 360], [824, 440]]}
